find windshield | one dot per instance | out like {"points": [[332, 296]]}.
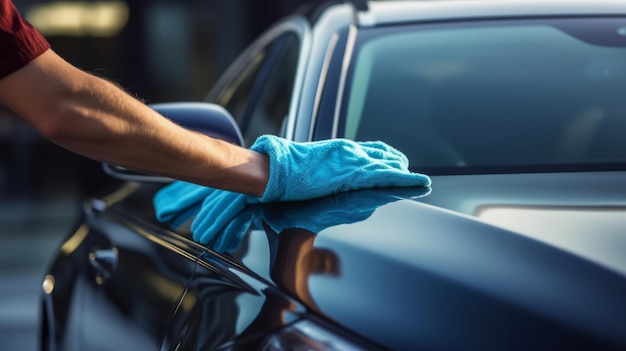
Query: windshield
{"points": [[463, 98]]}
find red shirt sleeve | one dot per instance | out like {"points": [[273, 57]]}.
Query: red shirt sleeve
{"points": [[20, 42]]}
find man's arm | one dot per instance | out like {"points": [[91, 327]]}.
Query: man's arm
{"points": [[95, 118]]}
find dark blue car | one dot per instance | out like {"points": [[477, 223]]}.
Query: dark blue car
{"points": [[516, 109]]}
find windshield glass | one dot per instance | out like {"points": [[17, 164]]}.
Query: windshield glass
{"points": [[475, 97]]}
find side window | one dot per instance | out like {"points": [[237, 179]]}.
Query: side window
{"points": [[258, 98]]}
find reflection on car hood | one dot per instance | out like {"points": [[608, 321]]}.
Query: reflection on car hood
{"points": [[536, 255], [583, 213]]}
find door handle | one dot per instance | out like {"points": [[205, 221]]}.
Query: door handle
{"points": [[104, 261]]}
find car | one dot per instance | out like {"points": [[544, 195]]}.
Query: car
{"points": [[515, 109]]}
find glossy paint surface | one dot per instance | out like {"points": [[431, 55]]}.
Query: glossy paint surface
{"points": [[408, 273], [116, 287], [402, 268]]}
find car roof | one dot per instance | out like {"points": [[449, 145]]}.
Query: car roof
{"points": [[389, 12]]}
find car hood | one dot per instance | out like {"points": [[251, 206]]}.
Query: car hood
{"points": [[582, 213], [515, 261]]}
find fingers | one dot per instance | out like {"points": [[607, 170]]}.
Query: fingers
{"points": [[383, 146], [398, 165], [381, 151], [394, 178], [381, 175]]}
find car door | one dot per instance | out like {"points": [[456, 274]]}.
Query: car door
{"points": [[230, 303], [118, 280]]}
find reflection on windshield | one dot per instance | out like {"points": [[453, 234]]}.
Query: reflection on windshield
{"points": [[498, 94]]}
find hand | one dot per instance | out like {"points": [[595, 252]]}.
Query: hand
{"points": [[300, 171]]}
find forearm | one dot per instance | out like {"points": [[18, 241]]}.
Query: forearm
{"points": [[158, 146], [93, 117]]}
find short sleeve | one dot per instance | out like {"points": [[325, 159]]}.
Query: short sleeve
{"points": [[20, 42]]}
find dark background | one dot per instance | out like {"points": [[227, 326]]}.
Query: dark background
{"points": [[167, 51]]}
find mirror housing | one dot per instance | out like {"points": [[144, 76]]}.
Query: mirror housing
{"points": [[210, 119]]}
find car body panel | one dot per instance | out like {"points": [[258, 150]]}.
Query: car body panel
{"points": [[463, 268], [114, 277], [223, 306], [580, 212]]}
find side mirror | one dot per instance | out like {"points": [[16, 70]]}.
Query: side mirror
{"points": [[210, 119]]}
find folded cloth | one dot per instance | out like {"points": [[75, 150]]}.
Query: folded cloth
{"points": [[298, 171]]}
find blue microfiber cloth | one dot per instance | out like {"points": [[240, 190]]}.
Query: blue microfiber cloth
{"points": [[173, 202], [298, 171]]}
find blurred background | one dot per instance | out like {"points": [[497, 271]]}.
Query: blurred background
{"points": [[158, 50]]}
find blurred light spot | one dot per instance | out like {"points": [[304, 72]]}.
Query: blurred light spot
{"points": [[48, 284], [95, 19], [189, 301]]}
